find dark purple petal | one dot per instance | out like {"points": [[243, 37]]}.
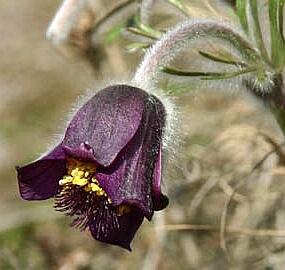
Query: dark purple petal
{"points": [[106, 222], [129, 179], [107, 122], [121, 233], [160, 201], [39, 180]]}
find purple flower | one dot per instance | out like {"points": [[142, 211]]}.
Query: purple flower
{"points": [[106, 172]]}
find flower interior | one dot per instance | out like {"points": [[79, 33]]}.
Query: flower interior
{"points": [[82, 174], [82, 196]]}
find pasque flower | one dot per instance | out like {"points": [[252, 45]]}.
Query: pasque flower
{"points": [[106, 172]]}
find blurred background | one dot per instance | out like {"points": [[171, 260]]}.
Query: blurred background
{"points": [[225, 183]]}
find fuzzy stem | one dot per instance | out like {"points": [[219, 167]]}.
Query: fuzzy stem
{"points": [[171, 43]]}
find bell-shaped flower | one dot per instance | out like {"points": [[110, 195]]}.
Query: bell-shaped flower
{"points": [[106, 172]]}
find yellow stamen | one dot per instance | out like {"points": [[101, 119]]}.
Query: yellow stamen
{"points": [[77, 180], [100, 192], [81, 174], [94, 187], [65, 180], [87, 188], [94, 180]]}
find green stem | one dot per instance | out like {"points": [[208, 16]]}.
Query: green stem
{"points": [[241, 11], [276, 30], [209, 75], [222, 59], [140, 32], [257, 31]]}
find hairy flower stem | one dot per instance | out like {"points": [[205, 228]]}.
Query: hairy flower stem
{"points": [[175, 40]]}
